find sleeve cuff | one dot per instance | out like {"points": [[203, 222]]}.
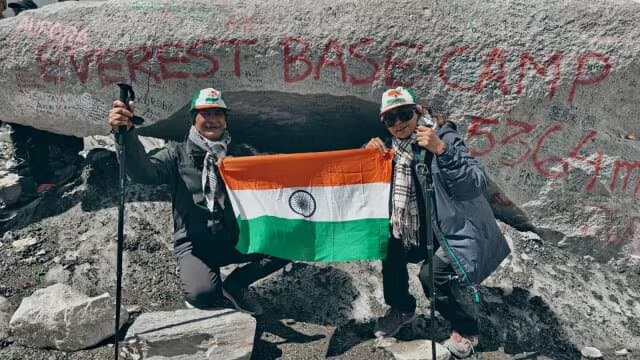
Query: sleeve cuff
{"points": [[447, 155]]}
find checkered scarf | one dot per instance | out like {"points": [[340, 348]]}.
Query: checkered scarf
{"points": [[215, 150], [404, 216]]}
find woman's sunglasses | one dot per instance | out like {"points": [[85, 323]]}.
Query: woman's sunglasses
{"points": [[403, 114]]}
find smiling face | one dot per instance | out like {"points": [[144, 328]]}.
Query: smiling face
{"points": [[402, 129], [211, 123]]}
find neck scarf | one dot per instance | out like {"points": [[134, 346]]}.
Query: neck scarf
{"points": [[215, 150], [404, 215]]}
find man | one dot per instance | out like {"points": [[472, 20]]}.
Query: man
{"points": [[205, 230], [470, 244]]}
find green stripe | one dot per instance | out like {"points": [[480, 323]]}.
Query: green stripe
{"points": [[304, 240]]}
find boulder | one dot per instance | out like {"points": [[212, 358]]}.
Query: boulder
{"points": [[191, 334], [62, 318], [545, 91]]}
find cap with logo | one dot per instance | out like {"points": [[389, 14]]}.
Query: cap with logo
{"points": [[397, 97], [208, 98]]}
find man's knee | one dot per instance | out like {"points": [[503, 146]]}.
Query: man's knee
{"points": [[274, 262], [203, 295]]}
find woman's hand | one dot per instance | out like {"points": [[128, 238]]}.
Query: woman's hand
{"points": [[428, 138], [376, 143]]}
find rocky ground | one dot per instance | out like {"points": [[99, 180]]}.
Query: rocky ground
{"points": [[544, 303]]}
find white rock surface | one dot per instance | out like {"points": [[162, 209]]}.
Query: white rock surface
{"points": [[60, 317], [191, 334]]}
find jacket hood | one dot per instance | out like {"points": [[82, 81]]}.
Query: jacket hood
{"points": [[448, 127]]}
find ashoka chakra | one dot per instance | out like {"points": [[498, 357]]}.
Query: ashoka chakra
{"points": [[302, 203]]}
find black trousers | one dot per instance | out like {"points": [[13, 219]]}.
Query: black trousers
{"points": [[200, 274], [453, 303]]}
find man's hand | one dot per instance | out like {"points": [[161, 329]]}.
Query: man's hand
{"points": [[120, 116], [376, 143], [428, 138]]}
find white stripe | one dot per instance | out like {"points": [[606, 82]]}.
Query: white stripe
{"points": [[332, 203]]}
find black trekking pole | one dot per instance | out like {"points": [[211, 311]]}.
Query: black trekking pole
{"points": [[426, 185], [126, 95], [429, 229]]}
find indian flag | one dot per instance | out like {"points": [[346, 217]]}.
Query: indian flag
{"points": [[325, 206]]}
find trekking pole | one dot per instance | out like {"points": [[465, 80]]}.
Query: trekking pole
{"points": [[429, 229], [124, 97], [426, 185]]}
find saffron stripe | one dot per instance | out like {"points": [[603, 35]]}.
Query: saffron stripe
{"points": [[330, 168]]}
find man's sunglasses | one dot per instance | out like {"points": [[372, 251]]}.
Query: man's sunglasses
{"points": [[403, 114]]}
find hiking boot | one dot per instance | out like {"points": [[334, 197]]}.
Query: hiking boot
{"points": [[392, 321], [242, 300], [461, 346]]}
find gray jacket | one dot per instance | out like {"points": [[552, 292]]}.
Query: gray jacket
{"points": [[179, 165]]}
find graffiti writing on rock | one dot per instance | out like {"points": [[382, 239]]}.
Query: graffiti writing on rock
{"points": [[494, 71], [356, 63], [523, 141], [162, 62], [56, 32]]}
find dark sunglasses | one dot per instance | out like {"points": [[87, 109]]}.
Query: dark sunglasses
{"points": [[404, 115]]}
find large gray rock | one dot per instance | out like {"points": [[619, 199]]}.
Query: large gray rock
{"points": [[546, 91], [191, 334], [60, 317], [5, 316]]}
